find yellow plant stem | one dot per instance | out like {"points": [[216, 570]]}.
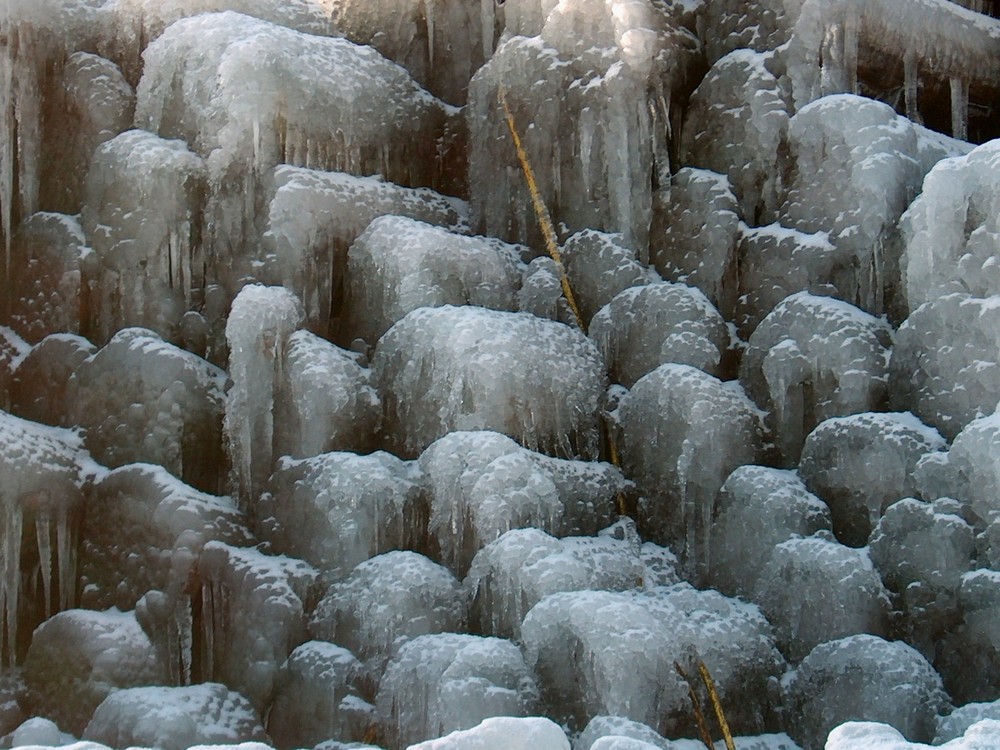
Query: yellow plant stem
{"points": [[713, 695], [699, 717]]}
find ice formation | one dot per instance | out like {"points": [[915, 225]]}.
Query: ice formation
{"points": [[958, 722], [140, 398], [465, 368], [968, 654], [599, 266], [863, 678], [729, 25], [39, 383], [813, 358], [648, 326], [399, 264], [861, 464], [336, 510], [480, 485], [174, 718], [616, 726], [442, 682], [387, 601], [319, 693], [512, 733], [684, 432], [757, 509], [980, 736]]}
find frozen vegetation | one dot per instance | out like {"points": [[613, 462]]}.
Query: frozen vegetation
{"points": [[315, 434]]}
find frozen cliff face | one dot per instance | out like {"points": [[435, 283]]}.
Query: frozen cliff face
{"points": [[694, 233], [684, 432], [760, 25], [78, 657], [337, 510], [736, 124], [861, 464], [175, 718], [597, 652], [944, 365], [319, 693], [813, 358], [142, 399], [482, 484], [601, 76], [314, 217], [968, 655], [316, 102], [387, 601], [48, 254], [142, 217], [398, 265], [467, 368], [647, 326], [862, 678], [38, 387], [442, 682], [42, 471], [951, 230], [757, 509]]}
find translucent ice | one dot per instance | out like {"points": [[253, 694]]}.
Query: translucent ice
{"points": [[336, 510], [13, 350], [319, 693], [862, 678], [38, 386], [442, 682], [761, 25], [78, 657], [482, 484], [386, 602], [142, 399], [399, 264], [466, 368], [758, 508], [619, 727], [815, 590], [511, 733], [647, 326], [958, 722], [861, 464], [813, 358], [175, 718], [684, 432], [968, 655]]}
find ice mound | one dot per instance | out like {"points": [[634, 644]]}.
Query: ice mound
{"points": [[980, 736], [260, 322], [512, 574], [815, 590], [439, 683], [141, 399], [38, 385], [683, 433], [143, 529], [921, 550], [968, 656], [42, 472], [648, 326], [694, 235], [757, 509], [315, 102], [511, 733], [386, 602], [464, 368], [776, 262], [861, 464], [174, 718], [314, 217], [619, 728], [78, 657], [736, 124], [857, 166], [482, 484], [602, 76], [541, 292], [945, 365], [399, 264], [760, 25], [252, 616], [337, 510], [958, 722], [862, 678], [602, 652], [46, 286], [813, 358], [599, 266], [39, 731], [318, 694], [326, 400], [13, 350]]}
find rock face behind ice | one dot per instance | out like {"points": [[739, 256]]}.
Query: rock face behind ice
{"points": [[175, 718], [464, 368]]}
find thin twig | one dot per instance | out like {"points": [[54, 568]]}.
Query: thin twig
{"points": [[699, 717], [713, 695]]}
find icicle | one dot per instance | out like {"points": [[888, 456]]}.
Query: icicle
{"points": [[429, 13], [43, 530], [851, 50], [911, 84], [959, 108], [10, 583], [488, 19], [65, 560], [184, 625]]}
